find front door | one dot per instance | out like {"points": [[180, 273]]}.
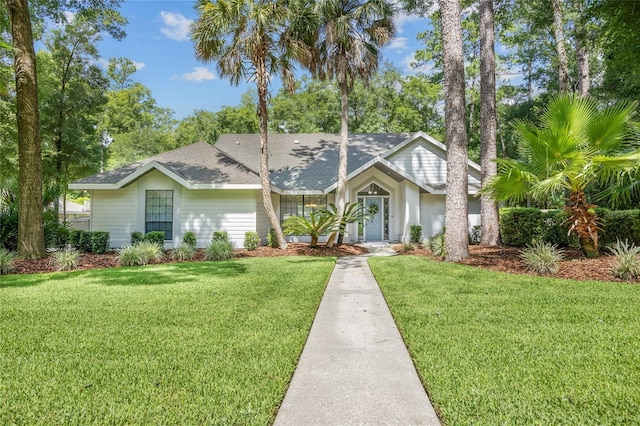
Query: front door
{"points": [[374, 228]]}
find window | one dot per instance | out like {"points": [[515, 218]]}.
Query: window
{"points": [[300, 205], [159, 212]]}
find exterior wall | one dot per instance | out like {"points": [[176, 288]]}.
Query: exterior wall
{"points": [[156, 180], [367, 177], [115, 211], [263, 224], [422, 160], [206, 211], [432, 213], [410, 208], [427, 163]]}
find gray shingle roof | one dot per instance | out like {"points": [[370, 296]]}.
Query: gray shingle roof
{"points": [[311, 163], [198, 163]]}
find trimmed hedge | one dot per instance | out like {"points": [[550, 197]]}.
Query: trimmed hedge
{"points": [[90, 242], [520, 227], [156, 237]]}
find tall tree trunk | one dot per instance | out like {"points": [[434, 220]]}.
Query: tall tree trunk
{"points": [[456, 220], [30, 227], [488, 123], [263, 116], [582, 54], [558, 31], [341, 190]]}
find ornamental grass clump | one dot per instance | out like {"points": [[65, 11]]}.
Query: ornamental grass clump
{"points": [[627, 265], [407, 247], [129, 255], [542, 258], [6, 261], [219, 250], [184, 252], [436, 245], [150, 252], [66, 260]]}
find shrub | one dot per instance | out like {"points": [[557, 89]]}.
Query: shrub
{"points": [[219, 250], [156, 237], [220, 236], [520, 227], [319, 223], [99, 242], [136, 237], [475, 235], [6, 261], [184, 252], [129, 255], [58, 235], [272, 238], [542, 258], [407, 247], [150, 251], [619, 225], [251, 240], [627, 265], [436, 245], [415, 234], [189, 238], [66, 260], [81, 241]]}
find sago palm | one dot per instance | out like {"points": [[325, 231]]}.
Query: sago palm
{"points": [[352, 32], [574, 146], [251, 40]]}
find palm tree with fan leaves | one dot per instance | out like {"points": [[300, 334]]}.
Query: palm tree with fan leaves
{"points": [[574, 146], [252, 40], [352, 32]]}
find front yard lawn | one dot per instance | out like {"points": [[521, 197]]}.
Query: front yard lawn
{"points": [[496, 348], [189, 343]]}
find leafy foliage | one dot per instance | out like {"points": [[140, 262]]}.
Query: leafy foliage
{"points": [[189, 238], [66, 260], [272, 239], [99, 242], [156, 237], [220, 236], [415, 234], [136, 237], [542, 258], [185, 251], [319, 223], [437, 245], [6, 260], [627, 265], [251, 240], [219, 250]]}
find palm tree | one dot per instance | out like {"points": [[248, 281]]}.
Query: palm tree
{"points": [[574, 146], [252, 40], [351, 35]]}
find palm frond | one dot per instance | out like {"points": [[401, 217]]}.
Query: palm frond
{"points": [[608, 130]]}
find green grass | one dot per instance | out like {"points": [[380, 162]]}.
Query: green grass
{"points": [[495, 348], [189, 343]]}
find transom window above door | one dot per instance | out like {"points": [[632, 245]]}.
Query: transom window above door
{"points": [[373, 189]]}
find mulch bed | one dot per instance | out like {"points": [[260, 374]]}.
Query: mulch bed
{"points": [[504, 259], [109, 260], [507, 259]]}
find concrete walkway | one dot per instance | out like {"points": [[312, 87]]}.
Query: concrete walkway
{"points": [[355, 369]]}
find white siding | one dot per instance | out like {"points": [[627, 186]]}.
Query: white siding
{"points": [[410, 202], [115, 211], [427, 163], [206, 211], [422, 160], [432, 213], [263, 224]]}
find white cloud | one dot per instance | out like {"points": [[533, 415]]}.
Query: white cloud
{"points": [[104, 64], [139, 65], [402, 19], [175, 26], [199, 74], [399, 43], [409, 63]]}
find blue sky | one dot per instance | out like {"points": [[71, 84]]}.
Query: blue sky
{"points": [[158, 43]]}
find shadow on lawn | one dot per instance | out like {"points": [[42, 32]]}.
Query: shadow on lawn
{"points": [[168, 273]]}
